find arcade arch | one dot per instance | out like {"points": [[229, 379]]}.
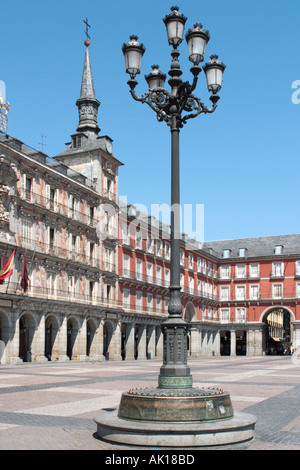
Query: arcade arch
{"points": [[278, 334]]}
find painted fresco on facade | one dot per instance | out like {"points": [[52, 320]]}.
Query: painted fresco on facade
{"points": [[40, 280], [40, 235]]}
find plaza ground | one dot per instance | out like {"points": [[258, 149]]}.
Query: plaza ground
{"points": [[52, 406]]}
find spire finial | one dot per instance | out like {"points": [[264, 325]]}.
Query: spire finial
{"points": [[87, 42]]}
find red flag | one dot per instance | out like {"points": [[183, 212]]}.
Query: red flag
{"points": [[7, 269], [24, 275]]}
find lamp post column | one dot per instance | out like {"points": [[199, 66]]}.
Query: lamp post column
{"points": [[175, 372]]}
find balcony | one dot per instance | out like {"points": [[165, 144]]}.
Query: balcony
{"points": [[37, 293], [56, 207], [59, 252]]}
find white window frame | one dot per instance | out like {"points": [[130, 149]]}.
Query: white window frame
{"points": [[251, 294], [240, 289], [224, 315], [224, 289], [240, 271], [274, 287], [253, 272], [225, 271]]}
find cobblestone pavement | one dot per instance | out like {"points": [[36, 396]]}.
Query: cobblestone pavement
{"points": [[52, 406]]}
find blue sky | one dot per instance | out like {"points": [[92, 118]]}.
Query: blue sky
{"points": [[242, 162]]}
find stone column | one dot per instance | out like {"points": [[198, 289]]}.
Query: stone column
{"points": [[81, 340], [129, 356], [115, 344], [232, 343], [15, 338], [38, 343], [142, 333], [195, 342], [62, 341], [216, 344], [296, 339], [159, 343], [258, 342], [250, 343], [151, 341], [204, 343]]}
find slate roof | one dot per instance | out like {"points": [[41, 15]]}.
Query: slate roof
{"points": [[256, 246]]}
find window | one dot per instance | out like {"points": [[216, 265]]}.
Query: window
{"points": [[242, 252], [149, 272], [298, 289], [240, 314], [125, 234], [139, 300], [126, 297], [240, 292], [191, 284], [28, 187], [92, 211], [225, 271], [297, 268], [158, 248], [277, 269], [254, 292], [167, 277], [225, 292], [149, 300], [27, 230], [167, 250], [51, 237], [203, 311], [191, 261], [92, 289], [126, 265], [92, 250], [225, 315], [150, 244], [138, 239], [182, 257], [167, 301], [254, 270], [199, 264], [240, 271], [278, 249], [158, 302], [226, 253], [277, 291], [139, 267], [76, 141], [181, 280], [204, 266], [52, 199], [158, 275]]}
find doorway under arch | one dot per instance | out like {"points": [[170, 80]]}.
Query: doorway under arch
{"points": [[51, 330], [277, 338], [26, 332]]}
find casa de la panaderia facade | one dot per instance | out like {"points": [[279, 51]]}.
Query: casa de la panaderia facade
{"points": [[86, 277]]}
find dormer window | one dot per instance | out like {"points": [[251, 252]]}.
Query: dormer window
{"points": [[242, 252], [226, 253], [76, 141], [278, 249]]}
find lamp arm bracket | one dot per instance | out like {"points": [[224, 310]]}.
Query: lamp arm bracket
{"points": [[195, 103]]}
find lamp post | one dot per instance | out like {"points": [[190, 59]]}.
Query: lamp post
{"points": [[175, 107], [175, 414]]}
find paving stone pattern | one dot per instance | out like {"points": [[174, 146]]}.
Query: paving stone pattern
{"points": [[52, 406]]}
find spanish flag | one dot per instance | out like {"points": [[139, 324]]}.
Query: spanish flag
{"points": [[7, 269]]}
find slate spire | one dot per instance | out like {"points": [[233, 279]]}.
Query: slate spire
{"points": [[87, 103]]}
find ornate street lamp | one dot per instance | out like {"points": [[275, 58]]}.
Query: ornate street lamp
{"points": [[175, 108], [175, 413]]}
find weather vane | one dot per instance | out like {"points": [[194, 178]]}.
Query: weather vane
{"points": [[87, 29]]}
